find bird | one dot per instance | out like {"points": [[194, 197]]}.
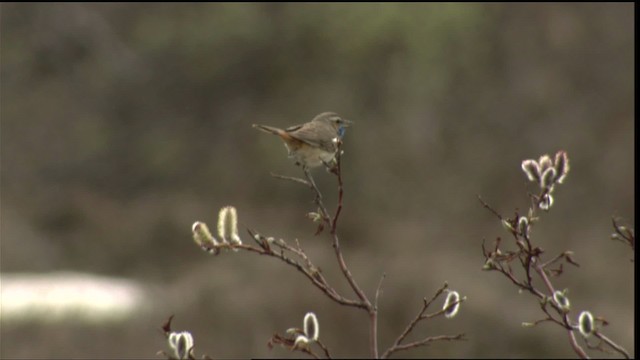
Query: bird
{"points": [[313, 143]]}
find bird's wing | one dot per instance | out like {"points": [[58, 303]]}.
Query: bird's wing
{"points": [[293, 128], [316, 136]]}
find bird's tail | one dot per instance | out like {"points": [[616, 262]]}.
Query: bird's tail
{"points": [[269, 129]]}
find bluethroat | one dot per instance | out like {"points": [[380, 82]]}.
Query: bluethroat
{"points": [[314, 143]]}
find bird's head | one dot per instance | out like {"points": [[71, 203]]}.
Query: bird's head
{"points": [[335, 120]]}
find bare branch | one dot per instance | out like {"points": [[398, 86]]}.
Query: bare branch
{"points": [[419, 317], [623, 234], [426, 341], [309, 271], [530, 256], [486, 206], [613, 345], [294, 179], [379, 291]]}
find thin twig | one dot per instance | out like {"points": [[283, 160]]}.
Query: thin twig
{"points": [[378, 290], [529, 257], [613, 345], [315, 188], [427, 341], [290, 178], [572, 338], [373, 315], [425, 304], [324, 348], [490, 208], [565, 255], [338, 168], [577, 348], [625, 233], [336, 241], [289, 343], [316, 278], [318, 200], [364, 300]]}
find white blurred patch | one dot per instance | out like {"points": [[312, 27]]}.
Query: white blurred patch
{"points": [[68, 296]]}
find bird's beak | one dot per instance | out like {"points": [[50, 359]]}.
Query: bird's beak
{"points": [[346, 122]]}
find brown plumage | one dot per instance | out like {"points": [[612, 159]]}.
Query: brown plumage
{"points": [[312, 143]]}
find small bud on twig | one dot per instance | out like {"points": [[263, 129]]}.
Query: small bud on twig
{"points": [[311, 327], [546, 202], [507, 225], [302, 342], [489, 264], [561, 166], [202, 236], [545, 162], [547, 179], [523, 226], [531, 169], [314, 216], [228, 226], [560, 298], [586, 324], [451, 304], [181, 343]]}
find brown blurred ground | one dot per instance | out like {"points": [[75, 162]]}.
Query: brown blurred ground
{"points": [[124, 123]]}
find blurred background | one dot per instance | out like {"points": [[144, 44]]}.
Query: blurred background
{"points": [[122, 124]]}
